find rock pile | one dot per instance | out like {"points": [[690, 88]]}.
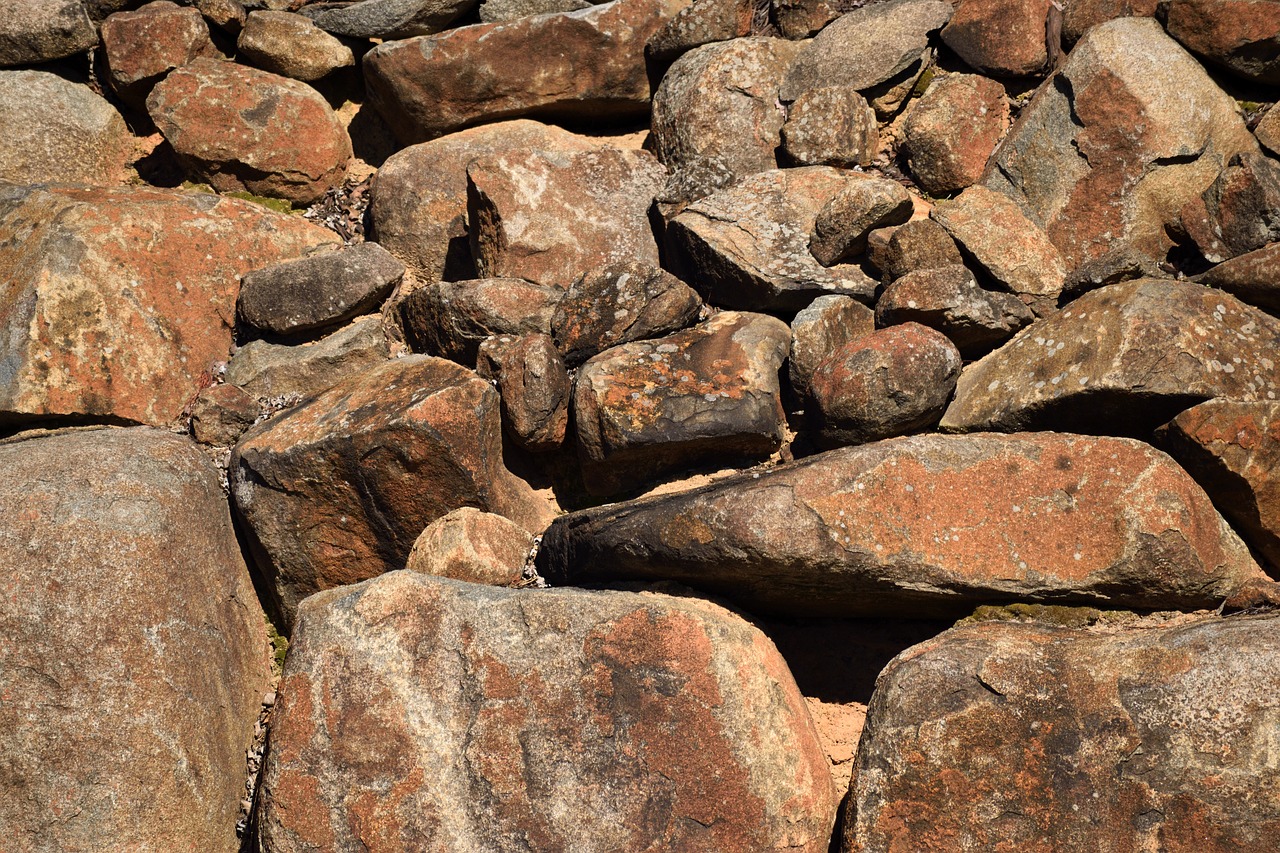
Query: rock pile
{"points": [[601, 402]]}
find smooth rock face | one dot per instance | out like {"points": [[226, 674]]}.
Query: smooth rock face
{"points": [[292, 46], [548, 720], [701, 22], [1122, 360], [239, 128], [119, 299], [1253, 277], [142, 47], [861, 206], [831, 126], [388, 19], [534, 387], [1005, 38], [472, 546], [450, 319], [544, 216], [705, 394], [1242, 36], [434, 85], [41, 30], [827, 324], [1004, 733], [134, 654], [337, 489], [924, 526], [1094, 178], [952, 129], [949, 299], [268, 370]]}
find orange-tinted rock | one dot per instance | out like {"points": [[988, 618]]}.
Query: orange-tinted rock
{"points": [[924, 526], [141, 47], [800, 19], [827, 324], [336, 490], [1041, 738], [952, 130], [238, 128], [472, 546], [1005, 38], [134, 652], [534, 387], [451, 318], [1253, 277], [1242, 36], [831, 126], [949, 299], [1240, 210], [119, 299], [1079, 16], [40, 30], [466, 717]]}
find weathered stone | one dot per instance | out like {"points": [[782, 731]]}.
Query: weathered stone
{"points": [[1242, 36], [546, 215], [494, 11], [1001, 37], [492, 719], [866, 47], [387, 19], [949, 299], [41, 30], [292, 46], [142, 47], [1122, 360], [337, 489], [119, 299], [951, 131], [920, 244], [1092, 175], [473, 546], [58, 131], [134, 653], [1079, 16], [434, 85], [1240, 210], [800, 19], [268, 370], [450, 319], [220, 414], [534, 387], [238, 128], [924, 526], [841, 227], [888, 97], [1040, 737], [227, 15], [1253, 278], [747, 247], [831, 126], [691, 182], [892, 382], [1120, 264], [320, 292], [706, 394], [1267, 130], [825, 326], [620, 303], [701, 22]]}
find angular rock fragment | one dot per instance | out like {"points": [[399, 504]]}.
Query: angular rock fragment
{"points": [[952, 129], [949, 299], [701, 22], [1253, 277], [1005, 38], [142, 47], [41, 30], [472, 546], [1242, 36], [227, 15], [831, 126], [827, 324], [800, 19], [220, 414], [921, 244], [1268, 130], [861, 206], [387, 20], [534, 387], [1080, 16], [292, 46], [268, 370], [1239, 212], [450, 319]]}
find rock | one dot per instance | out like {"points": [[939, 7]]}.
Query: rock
{"points": [[924, 526], [691, 182], [220, 414], [949, 299], [952, 129], [418, 210], [435, 85], [1232, 449], [800, 19], [1005, 733], [268, 370], [701, 22], [825, 326], [866, 47], [1080, 16], [545, 216], [387, 20], [1006, 244], [320, 292], [473, 546], [1092, 178], [134, 653], [1005, 38], [450, 319], [841, 228], [1267, 130], [142, 47], [1240, 210], [241, 129], [495, 11], [831, 126], [747, 247], [1253, 277], [336, 490], [920, 244], [706, 394], [1242, 36], [119, 299], [1123, 359], [41, 30], [620, 303], [534, 387], [292, 46], [887, 98], [56, 131], [892, 382], [1121, 264], [227, 15], [719, 103]]}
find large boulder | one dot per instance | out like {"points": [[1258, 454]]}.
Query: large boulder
{"points": [[1003, 38], [41, 30], [134, 657], [467, 717], [950, 132]]}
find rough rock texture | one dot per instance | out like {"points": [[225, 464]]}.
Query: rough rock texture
{"points": [[58, 131], [1093, 176], [800, 19], [292, 46], [450, 319], [268, 370], [827, 324], [1122, 360], [841, 227], [701, 22], [1267, 130], [434, 85], [1242, 36], [924, 526], [546, 215], [1005, 38], [747, 247], [949, 299], [227, 15], [239, 128], [1239, 212], [473, 546], [494, 11], [534, 387], [1253, 277], [831, 126], [920, 244], [134, 652], [545, 720], [709, 393], [41, 30], [119, 299], [337, 489], [220, 414], [952, 129], [387, 19], [1047, 738], [142, 47], [1081, 15]]}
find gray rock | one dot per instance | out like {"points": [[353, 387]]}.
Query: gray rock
{"points": [[268, 370], [949, 299], [40, 30], [387, 19], [493, 11], [450, 319], [292, 46], [861, 206], [701, 22], [831, 126]]}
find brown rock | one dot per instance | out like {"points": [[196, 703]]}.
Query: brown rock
{"points": [[493, 719], [119, 299], [337, 489], [142, 47], [473, 546], [277, 371], [831, 126], [825, 326], [861, 206], [924, 526], [920, 244], [238, 128], [951, 131], [450, 319], [1253, 277], [220, 414], [800, 19], [1005, 38], [134, 652], [1267, 130], [1079, 16], [1242, 36], [387, 20], [1240, 210], [534, 387], [701, 22], [292, 46], [227, 15], [949, 299], [1120, 264], [40, 30]]}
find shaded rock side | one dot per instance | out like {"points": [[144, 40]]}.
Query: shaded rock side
{"points": [[276, 370], [142, 47], [1253, 277], [40, 30]]}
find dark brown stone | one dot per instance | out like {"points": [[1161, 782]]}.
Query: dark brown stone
{"points": [[220, 414], [534, 387], [921, 244], [277, 371], [827, 324], [861, 206], [701, 22], [949, 299], [1242, 36], [142, 47], [450, 319], [1253, 277], [1239, 212]]}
